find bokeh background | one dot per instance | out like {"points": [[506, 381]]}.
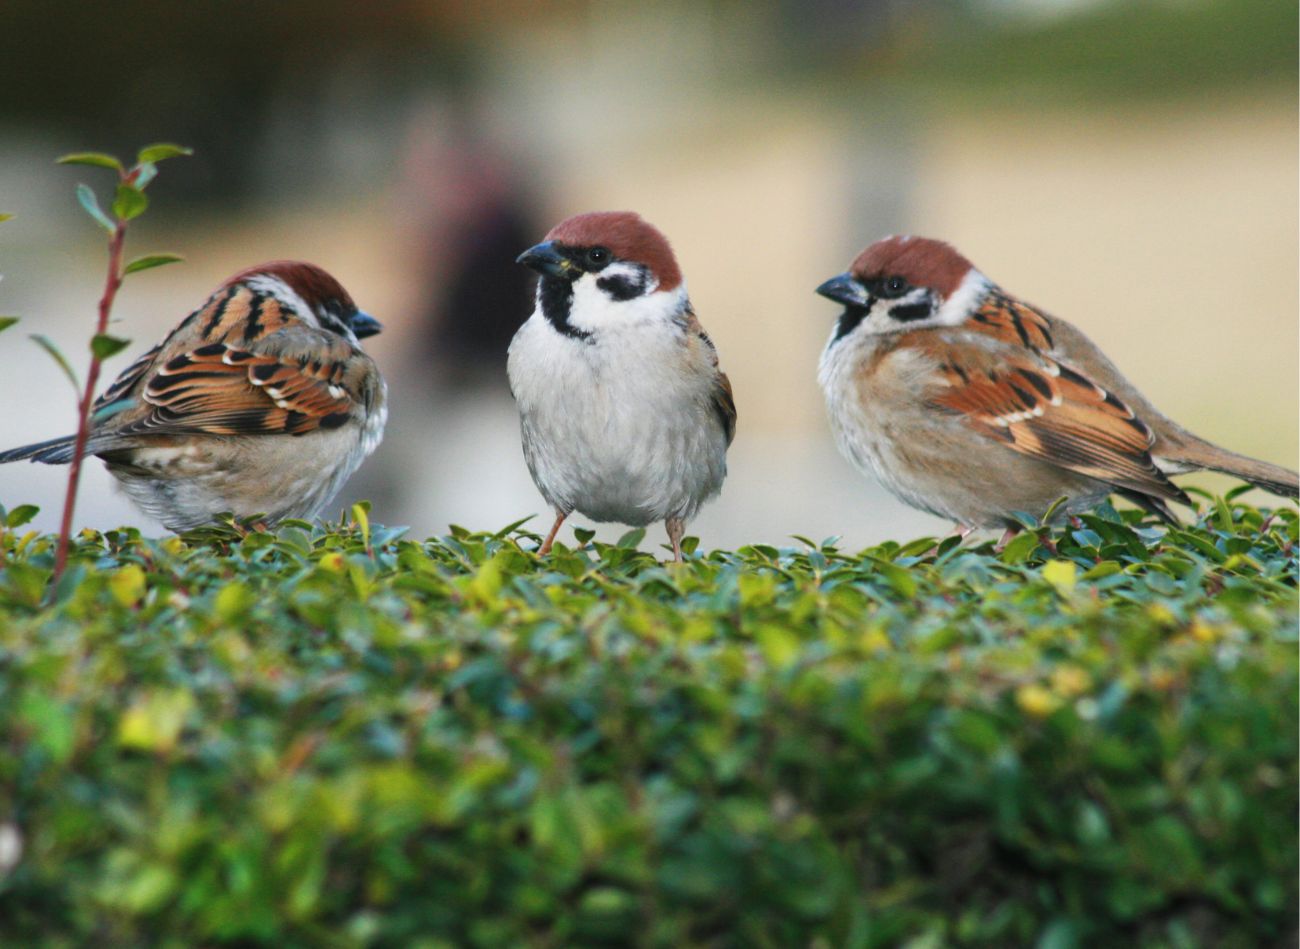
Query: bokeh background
{"points": [[1130, 166]]}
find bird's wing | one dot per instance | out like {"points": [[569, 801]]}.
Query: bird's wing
{"points": [[243, 364], [724, 402], [1043, 408], [1004, 318]]}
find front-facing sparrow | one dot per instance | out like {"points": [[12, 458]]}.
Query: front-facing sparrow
{"points": [[624, 413], [970, 404], [260, 402]]}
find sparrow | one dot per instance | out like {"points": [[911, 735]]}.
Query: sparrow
{"points": [[624, 413], [971, 404], [260, 402]]}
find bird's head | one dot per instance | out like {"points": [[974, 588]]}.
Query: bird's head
{"points": [[905, 283], [603, 270]]}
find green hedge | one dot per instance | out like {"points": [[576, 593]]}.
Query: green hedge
{"points": [[345, 738]]}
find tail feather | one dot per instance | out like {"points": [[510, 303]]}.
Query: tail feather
{"points": [[57, 451], [1262, 474]]}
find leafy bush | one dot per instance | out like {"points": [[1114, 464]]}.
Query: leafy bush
{"points": [[336, 736]]}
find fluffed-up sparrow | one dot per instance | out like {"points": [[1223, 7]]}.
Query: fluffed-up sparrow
{"points": [[260, 402], [624, 413], [973, 405]]}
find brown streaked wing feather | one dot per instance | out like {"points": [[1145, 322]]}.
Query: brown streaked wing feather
{"points": [[222, 389], [724, 401], [1049, 411], [239, 315], [236, 312], [127, 379], [1011, 321]]}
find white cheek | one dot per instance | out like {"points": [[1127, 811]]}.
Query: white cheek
{"points": [[877, 321], [962, 303], [594, 311]]}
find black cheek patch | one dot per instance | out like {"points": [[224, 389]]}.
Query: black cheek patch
{"points": [[622, 286], [906, 312]]}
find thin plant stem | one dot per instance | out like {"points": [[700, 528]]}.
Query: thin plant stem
{"points": [[111, 285]]}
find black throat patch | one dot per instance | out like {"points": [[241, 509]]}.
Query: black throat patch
{"points": [[556, 298], [849, 320]]}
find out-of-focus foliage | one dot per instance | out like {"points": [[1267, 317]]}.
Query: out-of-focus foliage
{"points": [[343, 737], [1108, 51]]}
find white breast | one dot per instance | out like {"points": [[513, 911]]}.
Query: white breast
{"points": [[620, 426]]}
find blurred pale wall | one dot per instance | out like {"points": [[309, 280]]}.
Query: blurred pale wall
{"points": [[1167, 231]]}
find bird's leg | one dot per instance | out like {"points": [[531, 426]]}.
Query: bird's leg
{"points": [[1005, 539], [676, 527], [958, 530], [555, 529]]}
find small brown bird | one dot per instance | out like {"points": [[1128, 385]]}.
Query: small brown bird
{"points": [[259, 402], [624, 413], [970, 404]]}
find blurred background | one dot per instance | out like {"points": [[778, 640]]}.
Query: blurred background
{"points": [[1129, 166]]}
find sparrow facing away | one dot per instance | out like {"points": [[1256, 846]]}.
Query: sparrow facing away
{"points": [[624, 413], [970, 404], [259, 402]]}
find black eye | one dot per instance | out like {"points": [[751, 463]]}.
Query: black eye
{"points": [[598, 256], [893, 287]]}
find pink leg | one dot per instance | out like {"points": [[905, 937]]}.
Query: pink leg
{"points": [[958, 530], [676, 527], [550, 538], [1005, 539]]}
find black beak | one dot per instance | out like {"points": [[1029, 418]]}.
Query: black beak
{"points": [[363, 325], [845, 289], [547, 260]]}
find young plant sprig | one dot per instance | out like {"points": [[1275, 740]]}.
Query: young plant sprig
{"points": [[129, 202], [5, 323]]}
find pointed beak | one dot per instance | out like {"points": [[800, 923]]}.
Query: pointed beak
{"points": [[845, 289], [363, 325], [547, 260]]}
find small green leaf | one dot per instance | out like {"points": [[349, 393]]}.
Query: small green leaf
{"points": [[1019, 548], [103, 345], [150, 261], [1051, 511], [56, 354], [161, 152], [1061, 574], [632, 537], [6, 322], [91, 204], [98, 159], [129, 202], [6, 217], [21, 515], [361, 514]]}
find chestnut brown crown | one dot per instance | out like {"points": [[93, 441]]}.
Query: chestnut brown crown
{"points": [[318, 289], [921, 261], [627, 236]]}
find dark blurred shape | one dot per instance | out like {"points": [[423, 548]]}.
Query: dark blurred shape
{"points": [[114, 75], [484, 304], [474, 211]]}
